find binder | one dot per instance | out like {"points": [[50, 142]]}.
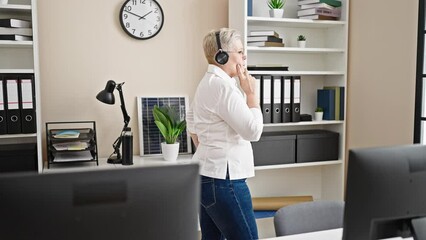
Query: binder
{"points": [[3, 126], [286, 90], [276, 99], [258, 79], [27, 104], [13, 113], [325, 99], [336, 100], [342, 103], [295, 99], [266, 100]]}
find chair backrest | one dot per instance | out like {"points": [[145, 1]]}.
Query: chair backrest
{"points": [[309, 217]]}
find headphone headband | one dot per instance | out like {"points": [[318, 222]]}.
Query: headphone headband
{"points": [[219, 46]]}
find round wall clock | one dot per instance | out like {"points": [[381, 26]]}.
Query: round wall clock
{"points": [[141, 19]]}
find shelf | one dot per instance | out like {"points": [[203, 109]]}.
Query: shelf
{"points": [[293, 22], [299, 73], [299, 165], [15, 44], [294, 50], [304, 123], [18, 135], [10, 8], [17, 70]]}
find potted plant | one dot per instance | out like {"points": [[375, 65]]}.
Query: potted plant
{"points": [[319, 112], [276, 8], [301, 41], [168, 122]]}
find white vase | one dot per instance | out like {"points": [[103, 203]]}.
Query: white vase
{"points": [[170, 151], [301, 44], [276, 13], [318, 116], [3, 2]]}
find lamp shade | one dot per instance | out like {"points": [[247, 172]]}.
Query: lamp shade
{"points": [[107, 95]]}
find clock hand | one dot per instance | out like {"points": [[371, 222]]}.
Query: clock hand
{"points": [[134, 14], [145, 15]]}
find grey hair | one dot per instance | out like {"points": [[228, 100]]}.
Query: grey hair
{"points": [[227, 39]]}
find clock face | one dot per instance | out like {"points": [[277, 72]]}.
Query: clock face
{"points": [[141, 19]]}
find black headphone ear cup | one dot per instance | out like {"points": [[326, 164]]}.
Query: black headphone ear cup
{"points": [[221, 57]]}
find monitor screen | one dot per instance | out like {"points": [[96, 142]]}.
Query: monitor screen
{"points": [[125, 203], [386, 190]]}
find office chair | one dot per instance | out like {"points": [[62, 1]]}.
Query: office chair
{"points": [[308, 217]]}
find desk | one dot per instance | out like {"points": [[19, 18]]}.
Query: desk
{"points": [[333, 234], [138, 161]]}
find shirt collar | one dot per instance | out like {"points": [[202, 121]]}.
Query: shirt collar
{"points": [[213, 69]]}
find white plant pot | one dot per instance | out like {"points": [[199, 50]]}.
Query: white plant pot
{"points": [[276, 13], [3, 2], [318, 116], [170, 151], [301, 44]]}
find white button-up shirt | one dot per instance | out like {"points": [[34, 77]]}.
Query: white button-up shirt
{"points": [[225, 125]]}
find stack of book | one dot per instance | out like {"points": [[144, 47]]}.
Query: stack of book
{"points": [[319, 9], [15, 29], [264, 38]]}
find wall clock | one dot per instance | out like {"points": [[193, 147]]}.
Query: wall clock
{"points": [[141, 19]]}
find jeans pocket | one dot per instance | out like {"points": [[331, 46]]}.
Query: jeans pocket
{"points": [[208, 197]]}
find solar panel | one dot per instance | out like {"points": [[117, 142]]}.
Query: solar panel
{"points": [[150, 136]]}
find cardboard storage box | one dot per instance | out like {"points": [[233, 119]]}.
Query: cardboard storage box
{"points": [[316, 145], [275, 148]]}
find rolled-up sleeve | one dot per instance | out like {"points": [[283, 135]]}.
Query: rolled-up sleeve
{"points": [[233, 109], [190, 120]]}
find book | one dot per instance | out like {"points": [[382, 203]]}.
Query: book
{"points": [[333, 3], [319, 11], [263, 33], [15, 23], [15, 37], [265, 44], [267, 68], [318, 17], [18, 31], [325, 100], [264, 39], [316, 5]]}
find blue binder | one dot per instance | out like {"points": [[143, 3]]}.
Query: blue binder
{"points": [[325, 100]]}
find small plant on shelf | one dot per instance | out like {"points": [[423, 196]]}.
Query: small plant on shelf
{"points": [[276, 4], [301, 41]]}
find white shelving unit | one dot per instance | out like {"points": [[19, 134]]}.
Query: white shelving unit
{"points": [[322, 63], [23, 57]]}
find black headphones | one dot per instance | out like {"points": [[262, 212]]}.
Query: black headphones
{"points": [[221, 56]]}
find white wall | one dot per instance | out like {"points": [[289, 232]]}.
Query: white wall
{"points": [[82, 46]]}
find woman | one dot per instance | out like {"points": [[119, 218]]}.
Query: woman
{"points": [[222, 123]]}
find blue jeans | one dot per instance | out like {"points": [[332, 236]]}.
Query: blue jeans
{"points": [[226, 210]]}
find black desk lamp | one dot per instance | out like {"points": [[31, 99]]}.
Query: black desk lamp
{"points": [[107, 96]]}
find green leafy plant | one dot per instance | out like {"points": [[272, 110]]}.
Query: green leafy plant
{"points": [[319, 109], [301, 38], [276, 4], [167, 120]]}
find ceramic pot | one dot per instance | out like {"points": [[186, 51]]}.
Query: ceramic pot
{"points": [[170, 151]]}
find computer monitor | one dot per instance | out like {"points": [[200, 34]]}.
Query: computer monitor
{"points": [[132, 203], [386, 190]]}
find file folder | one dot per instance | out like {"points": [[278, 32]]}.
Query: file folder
{"points": [[342, 103], [286, 90], [336, 100], [3, 126], [266, 98], [295, 97], [258, 79], [13, 113], [27, 104], [276, 100]]}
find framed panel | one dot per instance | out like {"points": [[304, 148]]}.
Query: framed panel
{"points": [[150, 137]]}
